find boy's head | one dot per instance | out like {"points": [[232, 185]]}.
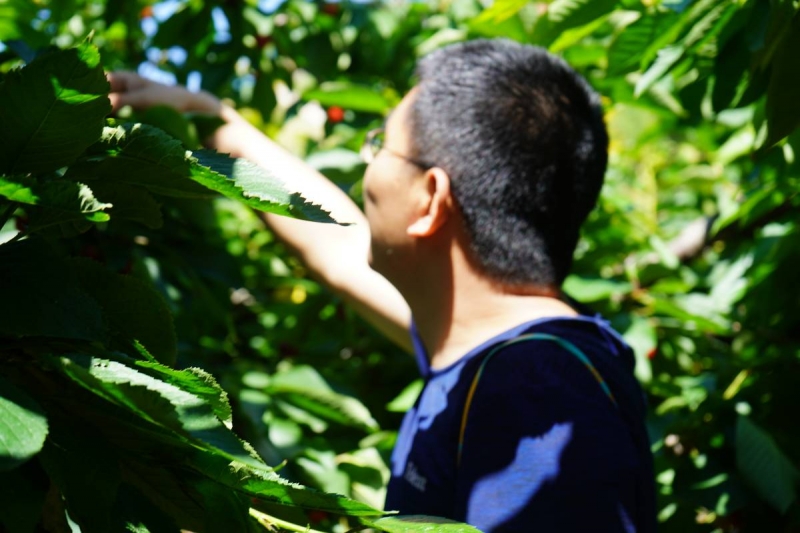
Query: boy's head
{"points": [[522, 138]]}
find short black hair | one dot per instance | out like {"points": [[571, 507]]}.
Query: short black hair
{"points": [[522, 137]]}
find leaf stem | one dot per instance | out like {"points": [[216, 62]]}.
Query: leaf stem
{"points": [[269, 521]]}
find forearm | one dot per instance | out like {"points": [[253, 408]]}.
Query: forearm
{"points": [[335, 255], [240, 139]]}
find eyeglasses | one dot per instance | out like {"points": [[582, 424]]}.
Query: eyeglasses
{"points": [[373, 144]]}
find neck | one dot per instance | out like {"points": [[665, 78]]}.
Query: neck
{"points": [[466, 309]]}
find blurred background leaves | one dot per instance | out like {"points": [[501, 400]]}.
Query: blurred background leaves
{"points": [[691, 253]]}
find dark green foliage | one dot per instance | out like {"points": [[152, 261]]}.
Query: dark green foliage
{"points": [[129, 258]]}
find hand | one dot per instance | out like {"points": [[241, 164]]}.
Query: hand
{"points": [[128, 88]]}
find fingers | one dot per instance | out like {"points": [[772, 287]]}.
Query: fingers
{"points": [[122, 81], [130, 89]]}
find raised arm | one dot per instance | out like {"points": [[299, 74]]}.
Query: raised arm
{"points": [[335, 255]]}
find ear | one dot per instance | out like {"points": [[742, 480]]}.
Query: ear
{"points": [[435, 203]]}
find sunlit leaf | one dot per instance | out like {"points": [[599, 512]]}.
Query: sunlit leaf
{"points": [[23, 426], [254, 186], [420, 524], [52, 110], [349, 96]]}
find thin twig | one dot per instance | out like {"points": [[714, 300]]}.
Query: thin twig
{"points": [[268, 521]]}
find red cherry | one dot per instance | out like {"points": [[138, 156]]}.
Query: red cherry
{"points": [[146, 12], [127, 268], [335, 114], [263, 40], [21, 223], [652, 353], [331, 9], [92, 252]]}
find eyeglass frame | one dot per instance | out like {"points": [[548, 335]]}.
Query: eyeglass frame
{"points": [[373, 144]]}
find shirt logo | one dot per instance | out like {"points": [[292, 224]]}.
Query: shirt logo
{"points": [[413, 476]]}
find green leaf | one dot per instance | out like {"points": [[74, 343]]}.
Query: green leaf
{"points": [[695, 310], [187, 415], [192, 500], [305, 388], [764, 465], [667, 57], [41, 296], [172, 122], [142, 156], [132, 309], [23, 426], [349, 96], [61, 201], [589, 290], [52, 110], [572, 13], [129, 203], [641, 336], [267, 485], [501, 10], [563, 15], [15, 21], [252, 185], [405, 400], [629, 47], [196, 381], [421, 524]]}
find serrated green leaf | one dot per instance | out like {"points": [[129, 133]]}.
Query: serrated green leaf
{"points": [[23, 426], [267, 485], [252, 185], [132, 309], [159, 402], [764, 465], [421, 524], [349, 96], [60, 201], [41, 296], [52, 110], [142, 156], [198, 382]]}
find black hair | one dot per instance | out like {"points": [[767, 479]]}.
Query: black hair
{"points": [[522, 137]]}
